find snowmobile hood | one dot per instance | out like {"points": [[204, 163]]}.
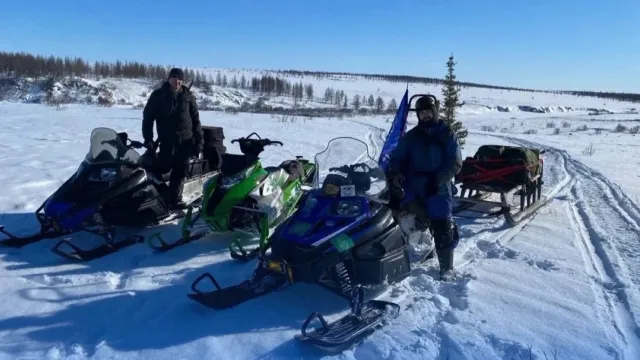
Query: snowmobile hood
{"points": [[321, 218]]}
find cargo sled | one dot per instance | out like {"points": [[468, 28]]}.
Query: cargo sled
{"points": [[505, 172]]}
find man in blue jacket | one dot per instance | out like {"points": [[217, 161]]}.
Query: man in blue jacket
{"points": [[423, 165]]}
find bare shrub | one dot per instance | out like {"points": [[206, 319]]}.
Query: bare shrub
{"points": [[531, 131], [620, 128], [566, 124], [634, 130], [556, 131], [589, 150], [551, 124], [582, 128]]}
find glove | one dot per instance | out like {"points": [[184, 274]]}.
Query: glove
{"points": [[396, 191], [148, 144], [395, 180]]}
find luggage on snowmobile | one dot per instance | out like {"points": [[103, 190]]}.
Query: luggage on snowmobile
{"points": [[114, 186], [342, 237], [504, 170], [246, 197]]}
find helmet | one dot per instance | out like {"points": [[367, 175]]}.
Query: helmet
{"points": [[427, 102]]}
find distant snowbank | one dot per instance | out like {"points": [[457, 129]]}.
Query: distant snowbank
{"points": [[133, 93]]}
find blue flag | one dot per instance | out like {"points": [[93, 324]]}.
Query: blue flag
{"points": [[397, 130]]}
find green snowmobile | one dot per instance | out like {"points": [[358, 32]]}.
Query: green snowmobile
{"points": [[246, 197]]}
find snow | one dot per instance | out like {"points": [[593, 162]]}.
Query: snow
{"points": [[130, 93], [565, 280]]}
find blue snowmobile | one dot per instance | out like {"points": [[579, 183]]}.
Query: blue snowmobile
{"points": [[343, 237]]}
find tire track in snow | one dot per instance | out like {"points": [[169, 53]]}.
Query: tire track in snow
{"points": [[612, 223], [598, 276], [375, 137]]}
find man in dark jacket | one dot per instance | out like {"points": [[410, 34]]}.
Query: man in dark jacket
{"points": [[174, 109], [426, 160]]}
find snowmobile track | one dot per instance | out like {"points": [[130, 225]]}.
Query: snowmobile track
{"points": [[608, 224]]}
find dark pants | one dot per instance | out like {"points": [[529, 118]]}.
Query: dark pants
{"points": [[176, 158]]}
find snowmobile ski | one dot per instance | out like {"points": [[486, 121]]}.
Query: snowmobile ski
{"points": [[78, 254], [17, 242], [157, 242], [266, 280], [109, 247], [351, 329]]}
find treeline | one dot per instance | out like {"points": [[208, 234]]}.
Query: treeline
{"points": [[605, 95], [435, 81], [38, 66], [21, 64], [269, 85], [397, 78], [340, 99]]}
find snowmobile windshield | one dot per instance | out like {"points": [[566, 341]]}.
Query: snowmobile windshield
{"points": [[347, 167], [107, 147]]}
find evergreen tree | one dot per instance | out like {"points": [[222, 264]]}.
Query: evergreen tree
{"points": [[379, 104], [393, 105], [451, 97]]}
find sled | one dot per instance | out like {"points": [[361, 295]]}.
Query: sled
{"points": [[504, 171]]}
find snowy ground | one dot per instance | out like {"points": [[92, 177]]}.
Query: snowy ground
{"points": [[565, 280]]}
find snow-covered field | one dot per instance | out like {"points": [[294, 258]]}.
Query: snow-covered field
{"points": [[133, 93], [565, 280]]}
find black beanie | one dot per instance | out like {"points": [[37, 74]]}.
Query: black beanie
{"points": [[177, 72]]}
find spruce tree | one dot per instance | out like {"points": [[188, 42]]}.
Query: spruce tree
{"points": [[451, 96]]}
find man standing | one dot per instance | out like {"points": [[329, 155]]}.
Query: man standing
{"points": [[423, 165], [174, 109]]}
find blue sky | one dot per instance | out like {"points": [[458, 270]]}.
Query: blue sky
{"points": [[545, 44]]}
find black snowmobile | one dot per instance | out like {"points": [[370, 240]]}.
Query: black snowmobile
{"points": [[343, 237], [113, 187]]}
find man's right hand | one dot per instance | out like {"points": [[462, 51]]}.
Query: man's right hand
{"points": [[396, 179]]}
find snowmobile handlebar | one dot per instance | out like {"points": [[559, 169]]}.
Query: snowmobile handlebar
{"points": [[139, 145], [350, 169], [263, 142]]}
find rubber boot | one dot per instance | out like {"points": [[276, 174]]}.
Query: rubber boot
{"points": [[446, 240], [445, 260], [175, 195]]}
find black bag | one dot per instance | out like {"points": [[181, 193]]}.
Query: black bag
{"points": [[294, 168], [213, 146]]}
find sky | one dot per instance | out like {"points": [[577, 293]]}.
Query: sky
{"points": [[540, 44]]}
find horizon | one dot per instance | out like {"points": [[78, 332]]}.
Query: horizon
{"points": [[492, 43]]}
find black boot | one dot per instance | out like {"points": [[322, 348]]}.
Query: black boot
{"points": [[446, 240], [175, 195], [445, 259]]}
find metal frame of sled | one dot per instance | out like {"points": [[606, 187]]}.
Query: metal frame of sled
{"points": [[528, 188]]}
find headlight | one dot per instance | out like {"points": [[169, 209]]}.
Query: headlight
{"points": [[348, 208]]}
